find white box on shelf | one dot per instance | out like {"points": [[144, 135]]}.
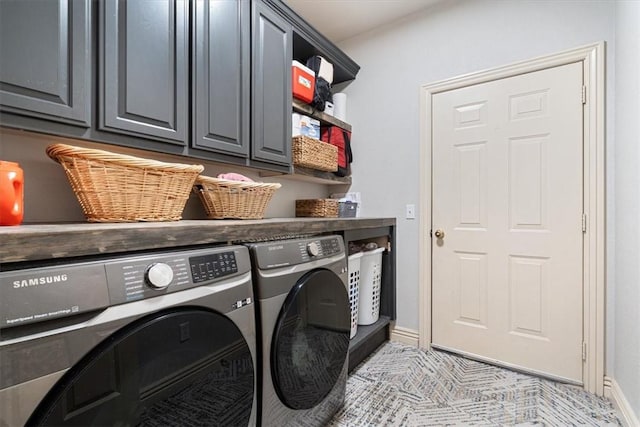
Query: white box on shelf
{"points": [[295, 124], [328, 108], [310, 127]]}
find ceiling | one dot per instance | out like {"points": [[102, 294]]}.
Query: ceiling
{"points": [[341, 19]]}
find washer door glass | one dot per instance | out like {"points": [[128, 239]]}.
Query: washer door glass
{"points": [[176, 367], [311, 340]]}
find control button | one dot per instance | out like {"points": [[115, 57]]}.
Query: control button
{"points": [[159, 275], [313, 249]]}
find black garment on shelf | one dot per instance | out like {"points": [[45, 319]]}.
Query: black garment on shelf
{"points": [[322, 89]]}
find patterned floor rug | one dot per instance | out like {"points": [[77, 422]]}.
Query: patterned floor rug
{"points": [[400, 385]]}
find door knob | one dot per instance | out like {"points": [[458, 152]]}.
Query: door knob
{"points": [[439, 234]]}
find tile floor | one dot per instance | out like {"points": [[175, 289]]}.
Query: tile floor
{"points": [[401, 385]]}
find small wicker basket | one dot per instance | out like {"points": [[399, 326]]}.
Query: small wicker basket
{"points": [[115, 187], [320, 208], [225, 199], [314, 154]]}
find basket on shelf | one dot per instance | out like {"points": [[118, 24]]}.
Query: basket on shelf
{"points": [[370, 284], [353, 269], [347, 209], [320, 208], [315, 154], [115, 187], [225, 199]]}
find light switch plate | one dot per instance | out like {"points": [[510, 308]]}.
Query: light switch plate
{"points": [[411, 212]]}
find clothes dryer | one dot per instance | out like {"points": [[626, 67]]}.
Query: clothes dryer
{"points": [[304, 323], [157, 339]]}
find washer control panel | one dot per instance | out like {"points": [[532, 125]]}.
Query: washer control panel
{"points": [[36, 294], [145, 277], [213, 266], [137, 278], [291, 252]]}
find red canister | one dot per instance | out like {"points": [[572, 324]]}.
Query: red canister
{"points": [[11, 193]]}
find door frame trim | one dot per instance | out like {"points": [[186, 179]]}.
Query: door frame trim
{"points": [[593, 58]]}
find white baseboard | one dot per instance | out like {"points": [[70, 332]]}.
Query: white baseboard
{"points": [[404, 335], [613, 392]]}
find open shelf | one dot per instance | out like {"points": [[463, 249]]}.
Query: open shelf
{"points": [[321, 176], [311, 175], [306, 45], [367, 339], [324, 118]]}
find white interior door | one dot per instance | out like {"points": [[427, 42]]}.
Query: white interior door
{"points": [[508, 196]]}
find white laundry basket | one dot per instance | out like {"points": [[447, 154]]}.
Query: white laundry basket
{"points": [[354, 290], [370, 280]]}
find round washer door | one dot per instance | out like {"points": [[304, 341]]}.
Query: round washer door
{"points": [[176, 367], [311, 339]]}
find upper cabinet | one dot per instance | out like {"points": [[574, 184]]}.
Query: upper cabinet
{"points": [[220, 77], [203, 78], [271, 86], [144, 68], [45, 68]]}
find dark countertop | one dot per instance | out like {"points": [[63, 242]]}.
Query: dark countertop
{"points": [[49, 241]]}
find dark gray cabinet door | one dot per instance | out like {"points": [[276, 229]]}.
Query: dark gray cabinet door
{"points": [[143, 82], [45, 62], [271, 86], [221, 76]]}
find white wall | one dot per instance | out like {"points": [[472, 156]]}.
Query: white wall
{"points": [[48, 196], [447, 40], [627, 181]]}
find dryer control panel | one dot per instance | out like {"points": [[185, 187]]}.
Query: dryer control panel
{"points": [[320, 248], [291, 252]]}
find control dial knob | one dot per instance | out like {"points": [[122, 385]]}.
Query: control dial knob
{"points": [[159, 275], [313, 249]]}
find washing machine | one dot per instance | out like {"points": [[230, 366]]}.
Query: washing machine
{"points": [[304, 322], [156, 339]]}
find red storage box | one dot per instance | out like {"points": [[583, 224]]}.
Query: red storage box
{"points": [[304, 81]]}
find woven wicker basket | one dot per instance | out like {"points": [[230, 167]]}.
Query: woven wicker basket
{"points": [[114, 187], [314, 154], [321, 208], [224, 199]]}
